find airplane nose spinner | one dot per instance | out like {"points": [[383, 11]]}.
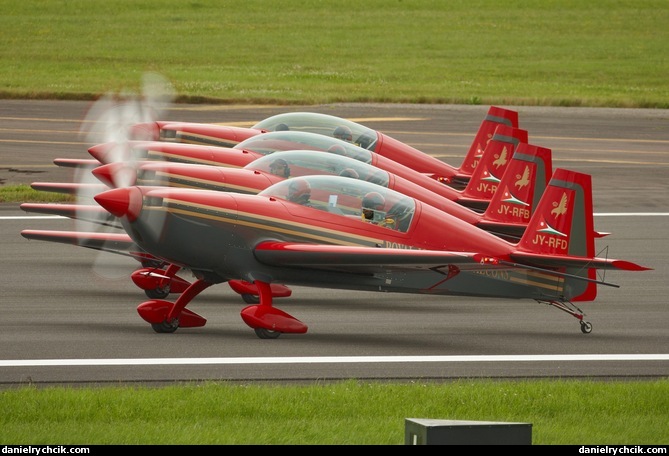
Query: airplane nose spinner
{"points": [[122, 202], [115, 174]]}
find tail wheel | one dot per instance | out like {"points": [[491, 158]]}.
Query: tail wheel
{"points": [[586, 327]]}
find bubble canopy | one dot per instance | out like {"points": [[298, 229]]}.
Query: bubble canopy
{"points": [[268, 143], [344, 196], [322, 124], [310, 162]]}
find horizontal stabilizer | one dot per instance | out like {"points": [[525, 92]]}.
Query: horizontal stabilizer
{"points": [[566, 261]]}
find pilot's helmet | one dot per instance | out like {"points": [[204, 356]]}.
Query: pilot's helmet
{"points": [[281, 127], [299, 191], [372, 202], [349, 172], [337, 149], [344, 133], [279, 167]]}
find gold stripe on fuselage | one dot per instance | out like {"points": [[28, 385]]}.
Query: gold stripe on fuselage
{"points": [[177, 158], [207, 184], [269, 224], [538, 279], [526, 277]]}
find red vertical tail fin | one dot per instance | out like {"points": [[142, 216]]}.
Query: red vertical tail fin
{"points": [[563, 226], [562, 223], [488, 173], [522, 185], [496, 116]]}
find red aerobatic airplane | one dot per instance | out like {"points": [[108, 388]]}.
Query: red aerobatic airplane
{"points": [[507, 215], [337, 232], [324, 124], [496, 155], [267, 239], [127, 159], [127, 156], [159, 283]]}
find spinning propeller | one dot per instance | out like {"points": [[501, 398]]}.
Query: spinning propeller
{"points": [[109, 121]]}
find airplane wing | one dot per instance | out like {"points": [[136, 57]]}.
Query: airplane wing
{"points": [[357, 259], [116, 243], [88, 213], [68, 188], [108, 242]]}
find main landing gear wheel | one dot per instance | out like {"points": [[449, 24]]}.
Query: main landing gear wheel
{"points": [[251, 298], [165, 327], [264, 333], [586, 327], [157, 293]]}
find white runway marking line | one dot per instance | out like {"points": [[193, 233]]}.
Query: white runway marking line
{"points": [[327, 360]]}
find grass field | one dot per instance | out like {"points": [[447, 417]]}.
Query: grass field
{"points": [[344, 413], [533, 52], [608, 53]]}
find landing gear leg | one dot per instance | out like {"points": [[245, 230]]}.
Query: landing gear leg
{"points": [[166, 317], [571, 309], [250, 293], [186, 297], [267, 321], [158, 283], [265, 298]]}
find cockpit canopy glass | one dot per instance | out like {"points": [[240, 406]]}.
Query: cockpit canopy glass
{"points": [[294, 163], [322, 124], [345, 196], [268, 143]]}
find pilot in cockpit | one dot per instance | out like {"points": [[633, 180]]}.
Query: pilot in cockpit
{"points": [[279, 167], [344, 133], [299, 191], [372, 210], [349, 172]]}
